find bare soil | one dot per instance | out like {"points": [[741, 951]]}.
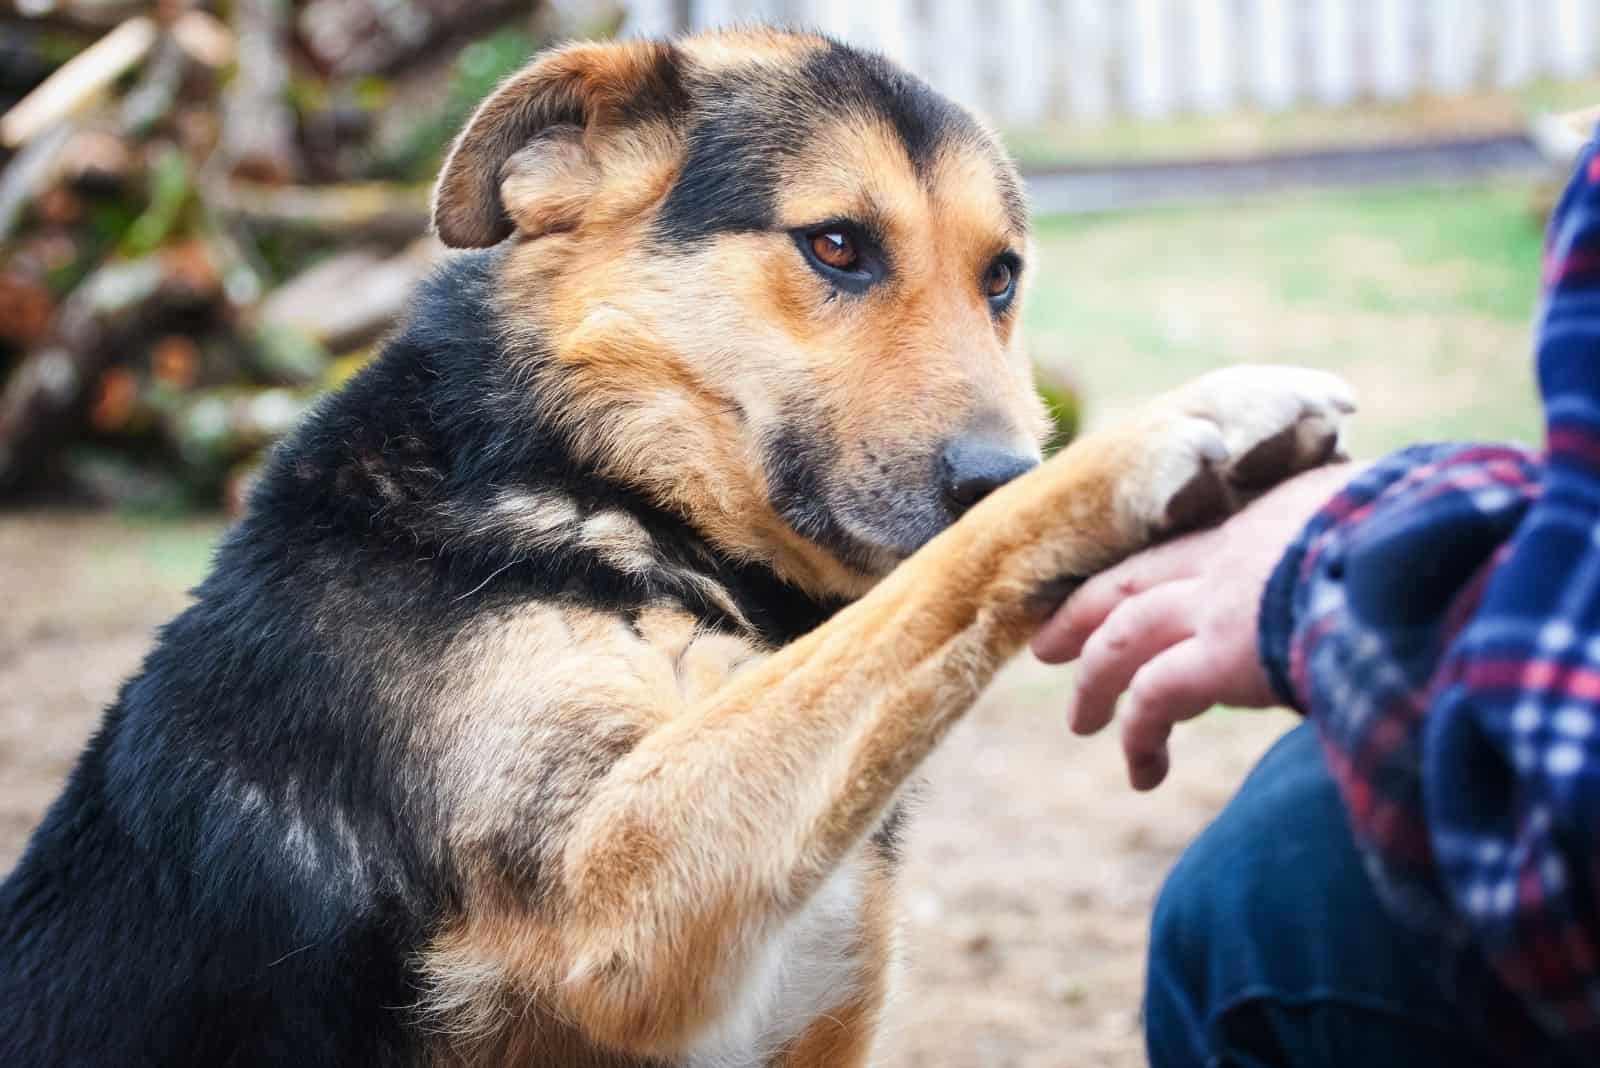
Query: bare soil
{"points": [[1031, 866]]}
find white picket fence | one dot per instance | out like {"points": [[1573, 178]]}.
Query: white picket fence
{"points": [[1026, 61]]}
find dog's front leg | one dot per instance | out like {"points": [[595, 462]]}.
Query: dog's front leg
{"points": [[718, 827]]}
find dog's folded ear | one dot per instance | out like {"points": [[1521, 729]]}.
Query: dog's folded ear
{"points": [[524, 159]]}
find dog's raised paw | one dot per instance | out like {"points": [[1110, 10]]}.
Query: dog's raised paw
{"points": [[1231, 434]]}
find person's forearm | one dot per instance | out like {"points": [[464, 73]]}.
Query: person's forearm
{"points": [[1391, 554]]}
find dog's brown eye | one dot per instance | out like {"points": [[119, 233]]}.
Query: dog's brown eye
{"points": [[843, 254], [835, 249], [997, 282]]}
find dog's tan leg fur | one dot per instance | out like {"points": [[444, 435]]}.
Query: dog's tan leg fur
{"points": [[789, 767], [719, 825]]}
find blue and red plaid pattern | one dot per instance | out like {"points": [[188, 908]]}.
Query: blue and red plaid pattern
{"points": [[1439, 620]]}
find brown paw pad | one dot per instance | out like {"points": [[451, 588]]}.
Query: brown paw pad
{"points": [[1201, 501]]}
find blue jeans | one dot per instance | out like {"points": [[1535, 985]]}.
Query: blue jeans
{"points": [[1269, 946]]}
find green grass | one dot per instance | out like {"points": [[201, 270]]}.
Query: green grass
{"points": [[1421, 297]]}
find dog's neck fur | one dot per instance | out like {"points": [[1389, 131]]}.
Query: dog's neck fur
{"points": [[443, 448]]}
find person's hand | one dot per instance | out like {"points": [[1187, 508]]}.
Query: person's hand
{"points": [[1175, 626]]}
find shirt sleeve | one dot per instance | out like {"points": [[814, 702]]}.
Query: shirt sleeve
{"points": [[1439, 620]]}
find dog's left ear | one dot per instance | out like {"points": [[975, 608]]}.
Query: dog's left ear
{"points": [[524, 159]]}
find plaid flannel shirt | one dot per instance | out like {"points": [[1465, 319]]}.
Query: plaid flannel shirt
{"points": [[1439, 621]]}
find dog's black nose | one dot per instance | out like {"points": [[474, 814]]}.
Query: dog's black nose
{"points": [[972, 468]]}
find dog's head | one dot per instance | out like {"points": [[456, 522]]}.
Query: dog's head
{"points": [[776, 283]]}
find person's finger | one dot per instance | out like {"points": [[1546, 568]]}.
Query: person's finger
{"points": [[1062, 637], [1135, 632], [1175, 686]]}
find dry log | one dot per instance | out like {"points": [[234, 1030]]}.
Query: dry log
{"points": [[26, 59], [135, 398], [188, 40], [78, 82], [45, 395], [115, 398], [58, 206], [214, 428], [26, 309], [151, 100], [205, 39], [351, 298], [137, 148], [258, 127], [28, 173], [74, 14], [97, 160], [243, 275], [111, 477], [175, 361], [347, 38], [349, 211]]}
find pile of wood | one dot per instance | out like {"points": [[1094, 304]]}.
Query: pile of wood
{"points": [[209, 213]]}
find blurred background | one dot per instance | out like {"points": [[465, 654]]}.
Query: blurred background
{"points": [[210, 213]]}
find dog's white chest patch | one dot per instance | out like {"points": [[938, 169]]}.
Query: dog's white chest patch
{"points": [[804, 970]]}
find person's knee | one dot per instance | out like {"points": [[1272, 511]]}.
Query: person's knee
{"points": [[1200, 941], [1176, 1009], [1225, 903], [1178, 926], [1267, 932]]}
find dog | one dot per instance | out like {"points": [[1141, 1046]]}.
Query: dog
{"points": [[553, 702]]}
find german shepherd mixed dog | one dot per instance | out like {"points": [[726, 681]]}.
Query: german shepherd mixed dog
{"points": [[552, 703]]}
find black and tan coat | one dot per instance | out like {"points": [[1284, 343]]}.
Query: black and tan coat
{"points": [[552, 703]]}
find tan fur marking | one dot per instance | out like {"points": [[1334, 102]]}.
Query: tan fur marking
{"points": [[619, 540], [536, 520]]}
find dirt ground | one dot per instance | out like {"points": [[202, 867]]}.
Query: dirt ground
{"points": [[1031, 865]]}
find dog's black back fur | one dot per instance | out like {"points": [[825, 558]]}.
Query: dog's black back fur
{"points": [[250, 851]]}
